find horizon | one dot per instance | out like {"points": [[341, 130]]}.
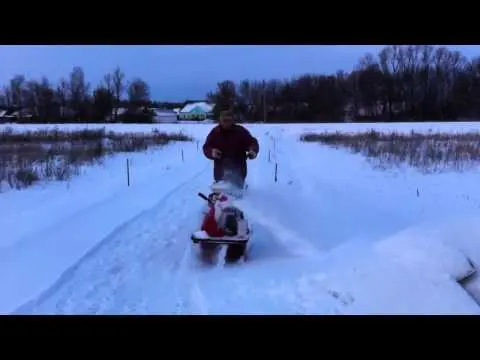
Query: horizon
{"points": [[177, 73]]}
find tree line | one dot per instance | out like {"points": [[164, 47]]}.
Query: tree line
{"points": [[400, 83], [73, 99]]}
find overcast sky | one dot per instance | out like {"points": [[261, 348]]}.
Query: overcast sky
{"points": [[176, 73]]}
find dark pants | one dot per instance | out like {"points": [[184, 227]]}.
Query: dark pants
{"points": [[236, 178], [231, 171]]}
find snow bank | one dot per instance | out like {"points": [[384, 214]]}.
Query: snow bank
{"points": [[411, 272], [463, 233], [414, 271], [376, 285], [425, 255]]}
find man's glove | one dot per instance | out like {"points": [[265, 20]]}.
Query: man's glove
{"points": [[251, 154], [216, 154]]}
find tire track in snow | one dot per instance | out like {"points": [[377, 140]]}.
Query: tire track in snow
{"points": [[134, 236], [186, 282], [200, 299]]}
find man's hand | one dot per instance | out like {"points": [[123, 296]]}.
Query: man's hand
{"points": [[216, 154], [251, 154]]}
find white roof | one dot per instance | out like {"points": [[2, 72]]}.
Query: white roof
{"points": [[120, 111], [205, 107], [164, 112]]}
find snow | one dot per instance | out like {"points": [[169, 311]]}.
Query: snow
{"points": [[201, 234], [330, 236], [414, 249]]}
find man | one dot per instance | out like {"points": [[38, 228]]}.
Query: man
{"points": [[228, 145]]}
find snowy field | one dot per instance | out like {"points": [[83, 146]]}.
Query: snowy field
{"points": [[332, 236]]}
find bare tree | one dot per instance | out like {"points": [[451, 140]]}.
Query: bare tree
{"points": [[408, 82], [118, 83], [108, 83], [78, 91], [103, 102], [224, 98], [138, 93], [17, 85], [61, 95]]}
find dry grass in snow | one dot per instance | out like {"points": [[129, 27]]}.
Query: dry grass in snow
{"points": [[28, 157], [430, 152]]}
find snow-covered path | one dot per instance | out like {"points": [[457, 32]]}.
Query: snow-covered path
{"points": [[137, 268], [314, 243], [44, 242], [149, 266]]}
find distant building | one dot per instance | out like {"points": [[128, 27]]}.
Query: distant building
{"points": [[377, 111], [120, 111], [164, 116], [15, 115], [20, 115], [3, 114], [196, 111], [6, 117]]}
